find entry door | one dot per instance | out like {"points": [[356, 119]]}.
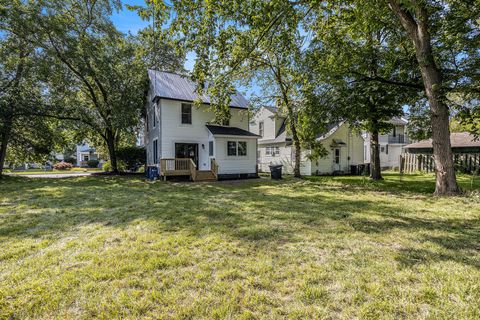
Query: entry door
{"points": [[187, 150], [336, 159]]}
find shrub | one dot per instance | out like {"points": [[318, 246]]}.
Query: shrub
{"points": [[92, 163], [62, 166], [107, 166], [132, 157]]}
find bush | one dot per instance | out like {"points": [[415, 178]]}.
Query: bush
{"points": [[107, 166], [132, 157], [92, 163], [62, 166]]}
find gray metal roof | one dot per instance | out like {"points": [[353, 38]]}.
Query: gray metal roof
{"points": [[169, 85]]}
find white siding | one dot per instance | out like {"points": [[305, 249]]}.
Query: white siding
{"points": [[350, 154], [269, 126], [235, 164], [170, 131]]}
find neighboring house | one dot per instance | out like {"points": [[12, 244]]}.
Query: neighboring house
{"points": [[344, 147], [177, 131], [85, 153], [462, 142], [391, 144]]}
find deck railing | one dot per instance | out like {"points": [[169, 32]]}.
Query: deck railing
{"points": [[176, 167], [214, 168], [193, 170]]}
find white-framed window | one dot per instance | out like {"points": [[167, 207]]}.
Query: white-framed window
{"points": [[242, 148], [261, 128], [277, 151], [210, 148], [186, 113], [232, 148], [236, 148], [337, 156], [154, 115], [268, 151]]}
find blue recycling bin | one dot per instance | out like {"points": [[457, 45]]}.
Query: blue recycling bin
{"points": [[152, 172]]}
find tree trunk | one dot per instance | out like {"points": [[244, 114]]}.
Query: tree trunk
{"points": [[296, 144], [375, 167], [4, 143], [446, 182], [112, 152]]}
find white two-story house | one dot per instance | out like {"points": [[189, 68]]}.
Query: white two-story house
{"points": [[391, 144], [181, 139], [344, 146]]}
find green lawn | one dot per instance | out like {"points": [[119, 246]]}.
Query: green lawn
{"points": [[343, 247]]}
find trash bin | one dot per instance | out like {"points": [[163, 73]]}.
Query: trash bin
{"points": [[276, 171], [152, 172], [353, 170]]}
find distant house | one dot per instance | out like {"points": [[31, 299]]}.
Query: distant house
{"points": [[345, 148], [182, 140], [462, 142], [85, 153], [391, 144]]}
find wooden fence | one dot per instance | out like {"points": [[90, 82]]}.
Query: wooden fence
{"points": [[464, 162]]}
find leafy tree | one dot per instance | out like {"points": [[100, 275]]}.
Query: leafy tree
{"points": [[248, 41], [365, 68]]}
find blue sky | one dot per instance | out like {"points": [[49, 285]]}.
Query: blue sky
{"points": [[128, 21]]}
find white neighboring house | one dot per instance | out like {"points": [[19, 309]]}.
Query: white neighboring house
{"points": [[391, 144], [176, 129], [345, 148], [86, 153]]}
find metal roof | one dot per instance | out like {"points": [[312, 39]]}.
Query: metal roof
{"points": [[229, 131], [174, 86]]}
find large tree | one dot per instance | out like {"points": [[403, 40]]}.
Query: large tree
{"points": [[421, 19], [246, 42], [365, 68]]}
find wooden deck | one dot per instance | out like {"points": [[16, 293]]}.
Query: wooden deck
{"points": [[187, 167]]}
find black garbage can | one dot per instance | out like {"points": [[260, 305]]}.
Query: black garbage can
{"points": [[276, 171], [353, 170]]}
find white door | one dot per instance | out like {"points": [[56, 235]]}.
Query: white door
{"points": [[336, 159]]}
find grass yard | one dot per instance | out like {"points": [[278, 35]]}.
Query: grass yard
{"points": [[41, 171], [323, 247]]}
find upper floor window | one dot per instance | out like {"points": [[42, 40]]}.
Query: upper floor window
{"points": [[154, 115], [260, 128], [186, 113]]}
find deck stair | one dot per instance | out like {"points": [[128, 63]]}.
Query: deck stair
{"points": [[205, 175]]}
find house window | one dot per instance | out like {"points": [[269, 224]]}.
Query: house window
{"points": [[269, 151], [186, 113], [277, 151], [242, 148], [232, 148], [155, 151], [337, 156], [154, 116], [210, 148], [85, 158], [386, 149], [382, 149], [260, 129]]}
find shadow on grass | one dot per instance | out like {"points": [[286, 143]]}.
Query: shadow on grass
{"points": [[254, 212]]}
